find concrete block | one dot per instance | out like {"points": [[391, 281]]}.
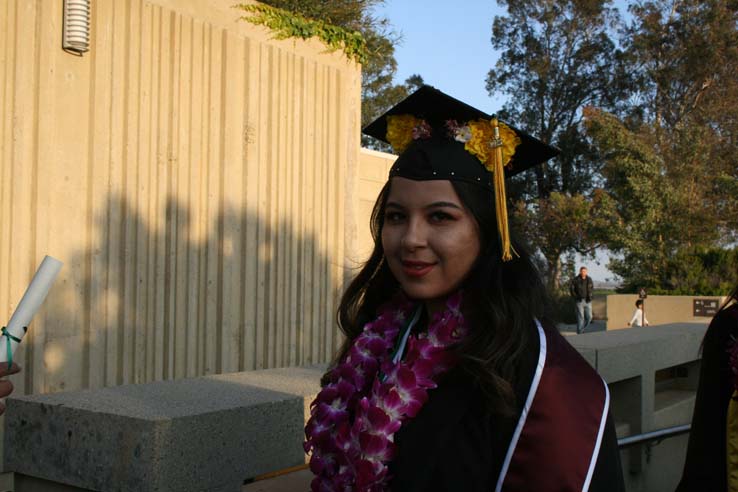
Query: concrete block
{"points": [[590, 355], [673, 407], [622, 429], [24, 483], [206, 434], [624, 354], [628, 361]]}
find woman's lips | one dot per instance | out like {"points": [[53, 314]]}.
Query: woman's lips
{"points": [[416, 268]]}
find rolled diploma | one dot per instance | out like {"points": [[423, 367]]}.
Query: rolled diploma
{"points": [[29, 304]]}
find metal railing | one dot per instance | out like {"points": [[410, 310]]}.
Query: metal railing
{"points": [[657, 436]]}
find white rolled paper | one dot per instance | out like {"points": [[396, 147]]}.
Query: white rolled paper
{"points": [[29, 304]]}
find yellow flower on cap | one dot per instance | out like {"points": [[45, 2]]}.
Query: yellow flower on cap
{"points": [[483, 134], [400, 130]]}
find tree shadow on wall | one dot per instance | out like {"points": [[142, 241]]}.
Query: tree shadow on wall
{"points": [[184, 292]]}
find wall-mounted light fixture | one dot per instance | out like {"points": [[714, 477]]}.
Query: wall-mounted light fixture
{"points": [[76, 35]]}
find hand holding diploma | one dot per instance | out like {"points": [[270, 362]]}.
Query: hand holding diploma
{"points": [[6, 387], [18, 325]]}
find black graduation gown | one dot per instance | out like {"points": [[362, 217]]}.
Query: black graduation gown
{"points": [[705, 466], [453, 444]]}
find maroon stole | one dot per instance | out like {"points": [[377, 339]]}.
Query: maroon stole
{"points": [[557, 440]]}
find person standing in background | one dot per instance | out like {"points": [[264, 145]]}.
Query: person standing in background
{"points": [[581, 289], [639, 318]]}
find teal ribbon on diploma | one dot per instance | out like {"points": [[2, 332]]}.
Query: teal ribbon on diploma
{"points": [[8, 337]]}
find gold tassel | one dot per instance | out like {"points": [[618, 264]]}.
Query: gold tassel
{"points": [[500, 194]]}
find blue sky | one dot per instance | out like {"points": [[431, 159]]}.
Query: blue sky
{"points": [[448, 44]]}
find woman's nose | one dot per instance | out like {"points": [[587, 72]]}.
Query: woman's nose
{"points": [[414, 236]]}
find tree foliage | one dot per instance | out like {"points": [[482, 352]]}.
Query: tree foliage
{"points": [[670, 164], [700, 270], [557, 58], [659, 141], [683, 54], [560, 224], [643, 227], [289, 25]]}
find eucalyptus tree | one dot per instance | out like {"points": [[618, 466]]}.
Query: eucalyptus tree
{"points": [[558, 57], [671, 164]]}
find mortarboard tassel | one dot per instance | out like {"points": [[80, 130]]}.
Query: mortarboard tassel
{"points": [[500, 194]]}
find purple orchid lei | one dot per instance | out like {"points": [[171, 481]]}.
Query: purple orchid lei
{"points": [[354, 418]]}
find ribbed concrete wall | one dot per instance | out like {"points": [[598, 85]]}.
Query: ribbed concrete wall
{"points": [[373, 171], [195, 176]]}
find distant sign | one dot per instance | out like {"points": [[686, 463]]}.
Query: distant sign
{"points": [[642, 293], [706, 308]]}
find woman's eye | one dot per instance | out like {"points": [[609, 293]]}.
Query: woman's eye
{"points": [[393, 216], [440, 217]]}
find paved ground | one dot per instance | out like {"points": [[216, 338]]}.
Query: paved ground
{"points": [[567, 330]]}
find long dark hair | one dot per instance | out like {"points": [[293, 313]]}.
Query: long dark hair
{"points": [[500, 300]]}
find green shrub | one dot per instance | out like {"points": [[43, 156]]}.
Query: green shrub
{"points": [[696, 271]]}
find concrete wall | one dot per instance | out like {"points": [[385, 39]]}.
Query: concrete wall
{"points": [[373, 171], [599, 307], [195, 176], [659, 309]]}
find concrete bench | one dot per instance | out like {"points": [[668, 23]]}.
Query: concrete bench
{"points": [[207, 433], [213, 433]]}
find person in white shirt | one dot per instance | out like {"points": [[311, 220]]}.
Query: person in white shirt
{"points": [[639, 318]]}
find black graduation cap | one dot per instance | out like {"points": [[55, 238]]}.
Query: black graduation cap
{"points": [[436, 154], [440, 137]]}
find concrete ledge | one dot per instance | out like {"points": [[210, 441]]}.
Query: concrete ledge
{"points": [[629, 360], [624, 354], [212, 433], [207, 433]]}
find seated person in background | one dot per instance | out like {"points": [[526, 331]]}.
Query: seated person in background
{"points": [[712, 453], [6, 387], [639, 318]]}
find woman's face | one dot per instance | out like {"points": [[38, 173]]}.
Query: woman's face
{"points": [[430, 239]]}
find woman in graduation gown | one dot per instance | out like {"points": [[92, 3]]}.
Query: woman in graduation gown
{"points": [[450, 379], [712, 452]]}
